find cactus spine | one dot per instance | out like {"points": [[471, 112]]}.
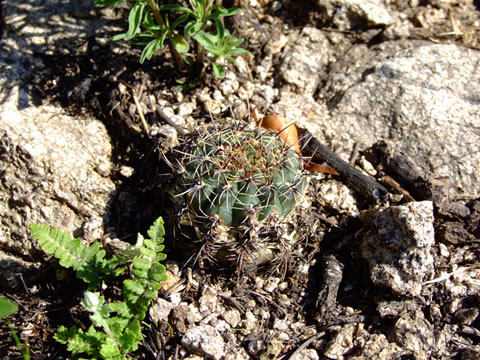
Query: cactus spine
{"points": [[243, 178]]}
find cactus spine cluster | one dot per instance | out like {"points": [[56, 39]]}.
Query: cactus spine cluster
{"points": [[242, 178]]}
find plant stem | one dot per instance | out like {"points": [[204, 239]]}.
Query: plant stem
{"points": [[179, 63], [156, 12]]}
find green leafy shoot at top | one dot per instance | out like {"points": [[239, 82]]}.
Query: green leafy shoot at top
{"points": [[116, 326], [154, 25]]}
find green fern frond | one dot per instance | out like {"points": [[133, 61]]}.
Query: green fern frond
{"points": [[146, 270], [78, 341], [120, 322], [88, 261]]}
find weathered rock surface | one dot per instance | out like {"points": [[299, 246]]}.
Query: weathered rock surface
{"points": [[398, 246], [54, 167], [347, 14], [304, 58], [205, 340], [54, 171], [418, 95]]}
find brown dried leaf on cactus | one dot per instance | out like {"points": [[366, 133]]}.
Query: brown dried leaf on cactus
{"points": [[289, 134]]}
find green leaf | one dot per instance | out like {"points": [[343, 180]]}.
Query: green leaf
{"points": [[208, 41], [109, 349], [238, 51], [7, 307], [88, 261], [221, 11], [193, 27], [151, 47], [79, 342], [134, 20], [119, 37], [157, 232], [218, 71], [109, 3], [220, 30], [180, 20], [180, 44], [176, 7], [132, 336]]}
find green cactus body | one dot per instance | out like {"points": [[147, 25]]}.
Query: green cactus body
{"points": [[240, 187], [242, 176]]}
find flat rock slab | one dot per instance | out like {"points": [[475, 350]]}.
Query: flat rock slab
{"points": [[421, 96], [55, 167]]}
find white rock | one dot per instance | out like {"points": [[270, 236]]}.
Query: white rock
{"points": [[204, 340], [306, 57], [306, 354], [398, 246]]}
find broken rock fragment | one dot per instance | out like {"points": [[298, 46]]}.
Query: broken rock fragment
{"points": [[397, 246]]}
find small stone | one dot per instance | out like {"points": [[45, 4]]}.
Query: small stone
{"points": [[126, 171], [250, 321], [160, 310], [377, 347], [271, 284], [275, 45], [398, 246], [306, 354], [239, 353], [232, 317], [230, 84], [341, 342], [280, 325], [204, 340], [415, 333], [185, 109], [208, 302], [305, 59], [336, 195]]}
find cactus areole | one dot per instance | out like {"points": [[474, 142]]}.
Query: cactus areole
{"points": [[242, 176]]}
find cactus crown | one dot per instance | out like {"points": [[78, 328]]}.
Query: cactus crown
{"points": [[241, 175]]}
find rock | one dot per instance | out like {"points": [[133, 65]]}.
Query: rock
{"points": [[305, 59], [417, 94], [306, 354], [55, 167], [341, 342], [413, 332], [204, 340], [337, 196], [48, 163], [396, 308], [238, 353], [398, 246], [160, 310], [348, 14], [232, 317], [377, 347]]}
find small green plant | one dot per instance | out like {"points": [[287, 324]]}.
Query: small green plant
{"points": [[116, 326], [246, 181], [8, 308], [154, 25]]}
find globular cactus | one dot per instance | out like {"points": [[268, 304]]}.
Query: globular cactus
{"points": [[243, 178]]}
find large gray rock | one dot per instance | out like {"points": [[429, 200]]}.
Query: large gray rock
{"points": [[55, 171], [419, 95], [54, 167]]}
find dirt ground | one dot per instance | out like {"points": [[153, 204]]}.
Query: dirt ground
{"points": [[302, 297]]}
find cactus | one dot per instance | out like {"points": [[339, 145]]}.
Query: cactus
{"points": [[243, 179], [242, 176]]}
